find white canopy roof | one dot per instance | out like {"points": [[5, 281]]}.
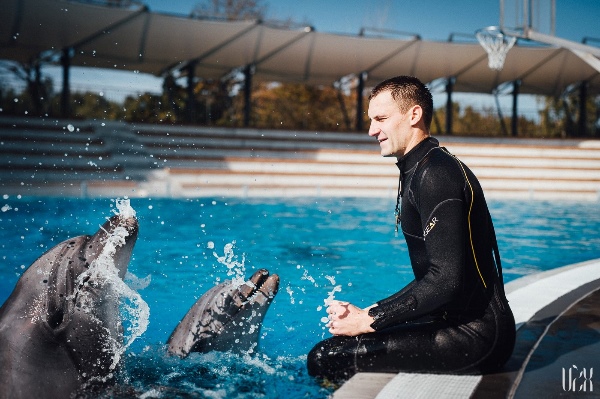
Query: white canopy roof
{"points": [[137, 39]]}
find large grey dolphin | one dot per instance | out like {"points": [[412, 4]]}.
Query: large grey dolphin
{"points": [[59, 327], [228, 316]]}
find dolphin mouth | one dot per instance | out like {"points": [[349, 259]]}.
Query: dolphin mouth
{"points": [[260, 289], [128, 222]]}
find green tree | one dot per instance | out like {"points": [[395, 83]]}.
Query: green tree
{"points": [[9, 101], [561, 115], [292, 106], [174, 96], [149, 108], [35, 99], [93, 106], [467, 121]]}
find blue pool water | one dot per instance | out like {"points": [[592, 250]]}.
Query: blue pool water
{"points": [[314, 245]]}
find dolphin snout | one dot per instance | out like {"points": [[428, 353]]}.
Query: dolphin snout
{"points": [[124, 251], [131, 224], [267, 290], [270, 287]]}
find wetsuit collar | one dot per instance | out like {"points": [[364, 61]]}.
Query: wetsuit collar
{"points": [[406, 164], [410, 159]]}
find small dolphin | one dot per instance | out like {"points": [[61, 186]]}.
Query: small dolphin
{"points": [[226, 317], [59, 326]]}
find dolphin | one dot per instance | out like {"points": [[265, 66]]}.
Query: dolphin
{"points": [[60, 325], [228, 316]]}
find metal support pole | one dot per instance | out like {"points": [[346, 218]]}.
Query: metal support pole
{"points": [[247, 95], [359, 101], [65, 97], [583, 109], [553, 17], [37, 90], [502, 14], [449, 105], [514, 124], [500, 116], [191, 98], [526, 16]]}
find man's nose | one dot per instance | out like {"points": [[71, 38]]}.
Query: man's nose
{"points": [[374, 130]]}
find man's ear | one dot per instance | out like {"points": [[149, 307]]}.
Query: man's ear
{"points": [[416, 115]]}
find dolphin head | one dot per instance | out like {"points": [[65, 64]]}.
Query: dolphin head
{"points": [[85, 268], [227, 317], [60, 323]]}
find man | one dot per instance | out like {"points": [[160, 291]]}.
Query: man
{"points": [[454, 316]]}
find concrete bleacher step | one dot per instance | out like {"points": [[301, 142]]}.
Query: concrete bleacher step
{"points": [[199, 161], [296, 184]]}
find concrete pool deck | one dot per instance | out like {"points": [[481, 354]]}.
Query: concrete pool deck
{"points": [[558, 335]]}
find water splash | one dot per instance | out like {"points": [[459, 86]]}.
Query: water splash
{"points": [[124, 208], [290, 292], [330, 297], [137, 283], [134, 313], [308, 277], [236, 269]]}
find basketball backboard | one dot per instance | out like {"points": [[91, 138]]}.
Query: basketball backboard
{"points": [[533, 20], [522, 16]]}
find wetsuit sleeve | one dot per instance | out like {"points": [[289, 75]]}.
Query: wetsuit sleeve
{"points": [[443, 217], [397, 294]]}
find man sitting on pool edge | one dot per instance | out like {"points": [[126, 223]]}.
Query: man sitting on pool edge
{"points": [[454, 316]]}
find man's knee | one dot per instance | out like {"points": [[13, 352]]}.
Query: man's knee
{"points": [[333, 358]]}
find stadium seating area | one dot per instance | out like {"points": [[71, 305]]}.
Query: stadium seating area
{"points": [[93, 158]]}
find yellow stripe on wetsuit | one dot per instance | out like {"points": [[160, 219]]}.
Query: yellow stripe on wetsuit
{"points": [[469, 214]]}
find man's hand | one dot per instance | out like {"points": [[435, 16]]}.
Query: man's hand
{"points": [[347, 319]]}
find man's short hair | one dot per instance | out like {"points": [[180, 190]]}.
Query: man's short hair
{"points": [[408, 91]]}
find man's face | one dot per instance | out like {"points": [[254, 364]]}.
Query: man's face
{"points": [[388, 125]]}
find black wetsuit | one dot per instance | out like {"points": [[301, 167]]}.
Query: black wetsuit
{"points": [[454, 316]]}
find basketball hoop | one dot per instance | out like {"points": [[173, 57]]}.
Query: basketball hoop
{"points": [[496, 44]]}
